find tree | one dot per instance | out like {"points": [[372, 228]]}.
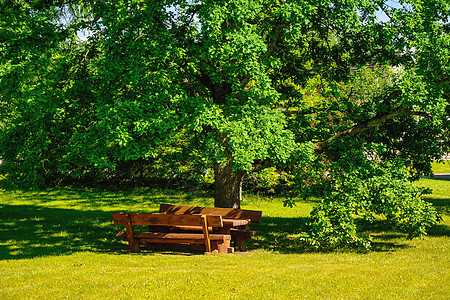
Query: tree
{"points": [[245, 84]]}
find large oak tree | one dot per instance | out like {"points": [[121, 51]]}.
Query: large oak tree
{"points": [[242, 84]]}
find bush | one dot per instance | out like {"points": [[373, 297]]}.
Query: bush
{"points": [[384, 193]]}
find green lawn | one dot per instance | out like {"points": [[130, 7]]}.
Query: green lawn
{"points": [[442, 167], [61, 244]]}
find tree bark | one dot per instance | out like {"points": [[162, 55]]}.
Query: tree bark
{"points": [[227, 185]]}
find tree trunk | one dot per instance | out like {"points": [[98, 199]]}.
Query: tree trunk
{"points": [[228, 185]]}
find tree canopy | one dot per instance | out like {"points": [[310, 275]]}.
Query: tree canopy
{"points": [[306, 87]]}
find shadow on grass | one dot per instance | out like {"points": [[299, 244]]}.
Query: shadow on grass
{"points": [[281, 235], [442, 204], [278, 234], [443, 207], [30, 231], [83, 223]]}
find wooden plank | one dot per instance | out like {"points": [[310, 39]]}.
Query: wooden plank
{"points": [[172, 241], [165, 219], [226, 213], [179, 236]]}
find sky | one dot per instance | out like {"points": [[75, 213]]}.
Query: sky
{"points": [[382, 16]]}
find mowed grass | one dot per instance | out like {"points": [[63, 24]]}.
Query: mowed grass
{"points": [[441, 167], [61, 244]]}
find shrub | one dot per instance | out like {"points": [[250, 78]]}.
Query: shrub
{"points": [[383, 193]]}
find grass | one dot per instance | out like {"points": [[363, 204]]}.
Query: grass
{"points": [[60, 244], [441, 167]]}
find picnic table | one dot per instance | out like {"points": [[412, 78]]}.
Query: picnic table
{"points": [[202, 228]]}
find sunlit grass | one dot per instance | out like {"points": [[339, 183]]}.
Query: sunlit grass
{"points": [[441, 167], [61, 244]]}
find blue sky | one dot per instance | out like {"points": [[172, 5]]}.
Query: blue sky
{"points": [[382, 16]]}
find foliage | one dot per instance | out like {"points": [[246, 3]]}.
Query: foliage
{"points": [[376, 191], [216, 75]]}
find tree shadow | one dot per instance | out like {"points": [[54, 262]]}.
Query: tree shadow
{"points": [[278, 234], [84, 224], [442, 204], [30, 231], [283, 235], [383, 231], [443, 207]]}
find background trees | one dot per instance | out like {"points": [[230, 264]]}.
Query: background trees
{"points": [[231, 86]]}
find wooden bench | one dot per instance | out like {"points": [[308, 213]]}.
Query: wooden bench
{"points": [[238, 235], [160, 231]]}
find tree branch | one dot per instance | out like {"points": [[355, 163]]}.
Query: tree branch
{"points": [[364, 126]]}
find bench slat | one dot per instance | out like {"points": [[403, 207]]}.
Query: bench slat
{"points": [[165, 220]]}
